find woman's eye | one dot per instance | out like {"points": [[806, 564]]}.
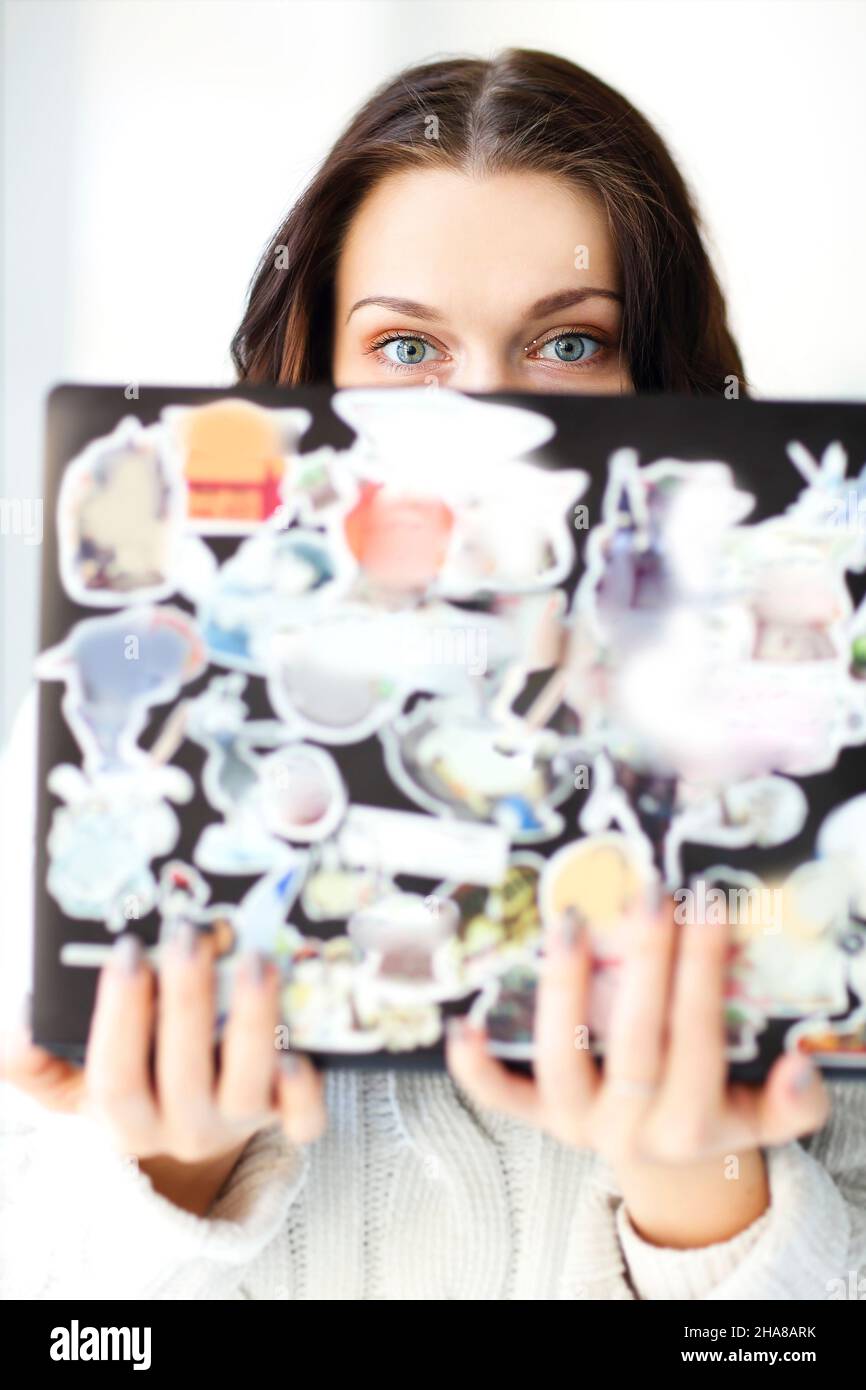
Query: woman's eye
{"points": [[569, 347], [408, 352]]}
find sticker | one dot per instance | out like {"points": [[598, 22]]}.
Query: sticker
{"points": [[333, 891], [654, 612], [496, 925], [516, 534], [764, 812], [302, 793], [260, 919], [741, 634], [103, 839], [273, 578], [809, 704], [401, 842], [841, 839], [318, 1002], [660, 541], [119, 517], [538, 627], [449, 760], [257, 923], [795, 949], [831, 1042], [238, 462], [509, 536], [399, 541], [344, 677], [326, 1011], [446, 431], [295, 793], [324, 488], [115, 668], [400, 940], [831, 505], [314, 687], [743, 1024], [492, 523], [506, 1011], [599, 878]]}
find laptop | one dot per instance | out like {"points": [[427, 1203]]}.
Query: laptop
{"points": [[384, 683]]}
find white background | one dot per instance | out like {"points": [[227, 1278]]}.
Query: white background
{"points": [[151, 146]]}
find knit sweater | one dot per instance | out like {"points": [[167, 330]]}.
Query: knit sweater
{"points": [[412, 1193]]}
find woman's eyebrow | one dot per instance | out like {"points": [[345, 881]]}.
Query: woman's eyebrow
{"points": [[564, 299], [549, 304], [401, 306]]}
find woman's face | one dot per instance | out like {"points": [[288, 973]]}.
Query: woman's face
{"points": [[506, 283]]}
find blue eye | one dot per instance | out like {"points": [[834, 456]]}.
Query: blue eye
{"points": [[569, 347], [408, 351]]}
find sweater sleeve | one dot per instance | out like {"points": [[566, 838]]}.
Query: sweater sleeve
{"points": [[806, 1246], [79, 1221], [76, 1219]]}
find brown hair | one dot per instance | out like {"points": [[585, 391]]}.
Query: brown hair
{"points": [[522, 110]]}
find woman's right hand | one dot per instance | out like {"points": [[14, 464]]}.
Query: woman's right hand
{"points": [[188, 1117]]}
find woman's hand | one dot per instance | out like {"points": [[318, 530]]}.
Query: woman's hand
{"points": [[187, 1122], [684, 1144]]}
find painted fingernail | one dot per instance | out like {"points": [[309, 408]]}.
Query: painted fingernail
{"points": [[126, 953], [571, 927], [290, 1063], [804, 1077], [186, 940], [655, 896], [457, 1028], [254, 968]]}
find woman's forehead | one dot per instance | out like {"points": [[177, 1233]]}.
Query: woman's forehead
{"points": [[446, 239]]}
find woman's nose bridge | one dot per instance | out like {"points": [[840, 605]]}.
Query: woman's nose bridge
{"points": [[483, 368]]}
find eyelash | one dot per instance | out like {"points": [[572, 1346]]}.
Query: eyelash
{"points": [[386, 338], [594, 337], [401, 336]]}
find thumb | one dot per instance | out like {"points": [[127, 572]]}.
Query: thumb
{"points": [[795, 1100], [50, 1080]]}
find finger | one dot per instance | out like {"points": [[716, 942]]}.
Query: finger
{"points": [[792, 1102], [487, 1081], [53, 1081], [696, 1067], [300, 1099], [35, 1070], [565, 1073], [635, 1045], [249, 1059], [185, 1037], [117, 1072]]}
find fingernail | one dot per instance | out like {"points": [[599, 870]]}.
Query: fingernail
{"points": [[805, 1076], [126, 953], [290, 1063], [655, 896], [254, 968], [571, 927], [186, 940], [457, 1028]]}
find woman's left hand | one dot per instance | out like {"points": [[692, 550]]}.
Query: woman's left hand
{"points": [[684, 1143]]}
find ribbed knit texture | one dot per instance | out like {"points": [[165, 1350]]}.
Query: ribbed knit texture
{"points": [[412, 1194]]}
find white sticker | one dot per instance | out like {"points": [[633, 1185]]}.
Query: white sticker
{"points": [[400, 842]]}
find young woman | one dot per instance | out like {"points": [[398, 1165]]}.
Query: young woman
{"points": [[505, 225]]}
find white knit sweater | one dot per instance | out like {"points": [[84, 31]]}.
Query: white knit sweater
{"points": [[413, 1193]]}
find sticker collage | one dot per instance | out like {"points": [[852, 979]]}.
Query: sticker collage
{"points": [[432, 589]]}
